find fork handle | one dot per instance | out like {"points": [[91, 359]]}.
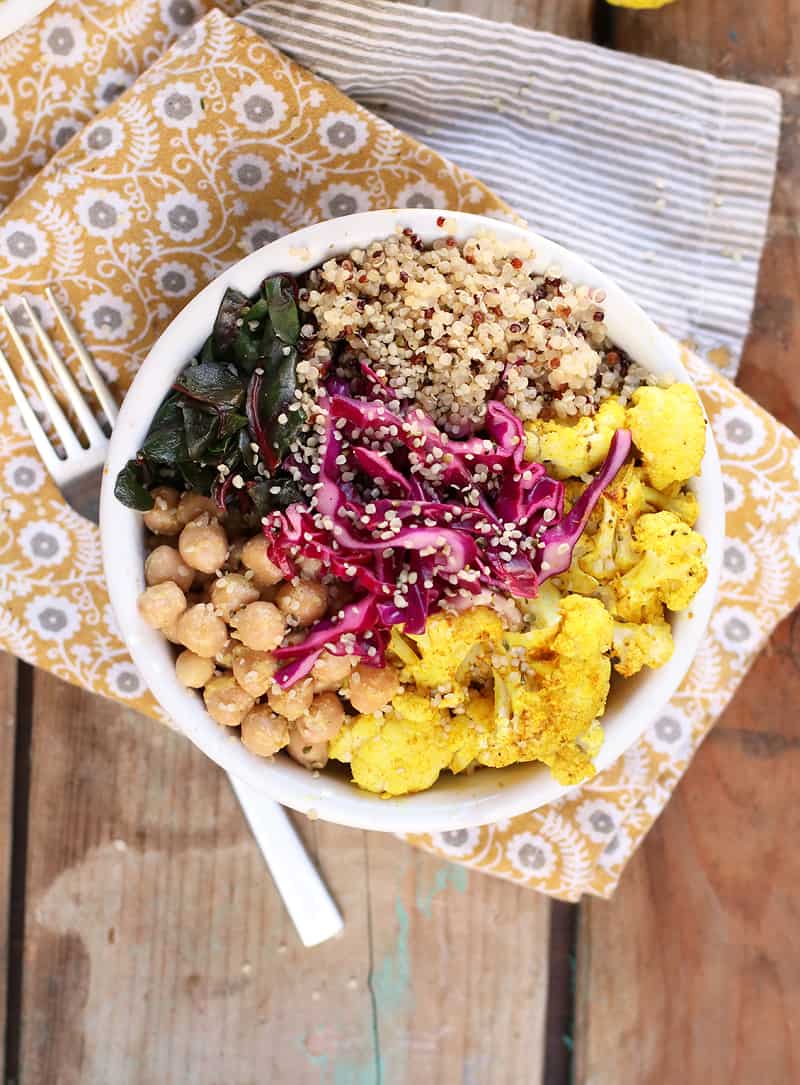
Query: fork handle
{"points": [[308, 902]]}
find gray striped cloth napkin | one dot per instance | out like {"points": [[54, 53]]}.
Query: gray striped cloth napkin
{"points": [[659, 175]]}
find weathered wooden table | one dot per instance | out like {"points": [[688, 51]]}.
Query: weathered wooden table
{"points": [[147, 945]]}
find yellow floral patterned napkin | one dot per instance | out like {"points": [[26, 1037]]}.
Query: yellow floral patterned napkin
{"points": [[218, 146]]}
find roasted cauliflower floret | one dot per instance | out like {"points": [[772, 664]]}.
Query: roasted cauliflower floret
{"points": [[668, 428], [574, 449], [546, 714], [674, 499], [406, 748], [637, 646], [453, 646], [586, 628], [607, 548], [670, 572], [542, 615]]}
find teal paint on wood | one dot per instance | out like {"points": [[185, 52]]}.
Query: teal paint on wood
{"points": [[448, 874], [334, 1070], [391, 982]]}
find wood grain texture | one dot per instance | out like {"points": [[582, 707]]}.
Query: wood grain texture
{"points": [[8, 691], [157, 949], [690, 973], [572, 18]]}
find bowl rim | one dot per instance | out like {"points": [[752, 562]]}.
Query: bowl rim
{"points": [[455, 802]]}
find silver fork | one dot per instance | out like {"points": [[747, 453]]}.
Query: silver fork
{"points": [[78, 474]]}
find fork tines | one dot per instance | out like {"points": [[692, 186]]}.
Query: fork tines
{"points": [[61, 425]]}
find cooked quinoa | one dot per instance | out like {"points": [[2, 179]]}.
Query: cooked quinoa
{"points": [[450, 325]]}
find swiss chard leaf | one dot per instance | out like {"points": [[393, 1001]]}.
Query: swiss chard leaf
{"points": [[226, 326], [257, 311], [247, 346], [165, 443], [247, 364], [282, 306], [130, 488], [269, 398], [207, 353], [278, 395], [231, 423], [266, 500], [199, 477], [249, 457], [209, 382], [201, 428]]}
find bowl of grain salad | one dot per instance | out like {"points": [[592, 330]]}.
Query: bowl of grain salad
{"points": [[412, 520]]}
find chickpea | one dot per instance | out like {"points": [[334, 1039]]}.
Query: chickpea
{"points": [[260, 626], [323, 720], [203, 544], [193, 671], [254, 556], [304, 600], [264, 733], [201, 631], [162, 604], [164, 563], [192, 505], [371, 688], [231, 592], [311, 755], [224, 658], [253, 670], [226, 701], [162, 519], [330, 672], [171, 631], [291, 703]]}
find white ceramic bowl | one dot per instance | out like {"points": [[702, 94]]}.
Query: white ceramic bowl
{"points": [[455, 801]]}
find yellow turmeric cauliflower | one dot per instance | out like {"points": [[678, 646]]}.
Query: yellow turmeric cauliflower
{"points": [[670, 571], [452, 647], [406, 748], [608, 548], [568, 449], [668, 428], [541, 702], [674, 499], [635, 646], [544, 715]]}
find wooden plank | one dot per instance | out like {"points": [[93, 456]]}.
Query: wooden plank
{"points": [[690, 973], [573, 18], [459, 975], [8, 698], [699, 981], [157, 949]]}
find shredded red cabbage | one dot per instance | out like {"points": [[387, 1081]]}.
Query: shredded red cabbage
{"points": [[412, 518]]}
